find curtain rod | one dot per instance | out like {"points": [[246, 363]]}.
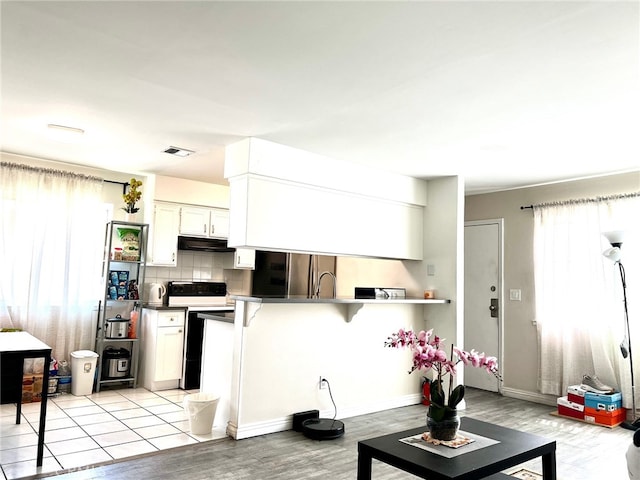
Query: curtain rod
{"points": [[64, 172], [124, 185], [582, 200]]}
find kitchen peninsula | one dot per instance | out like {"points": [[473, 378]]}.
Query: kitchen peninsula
{"points": [[386, 229], [282, 346]]}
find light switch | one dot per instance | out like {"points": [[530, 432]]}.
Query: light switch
{"points": [[431, 270], [515, 294]]}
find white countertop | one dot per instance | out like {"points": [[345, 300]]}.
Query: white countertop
{"points": [[343, 300], [20, 342]]}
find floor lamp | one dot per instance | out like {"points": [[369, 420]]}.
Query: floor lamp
{"points": [[614, 253]]}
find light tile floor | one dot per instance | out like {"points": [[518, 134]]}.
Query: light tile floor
{"points": [[101, 427]]}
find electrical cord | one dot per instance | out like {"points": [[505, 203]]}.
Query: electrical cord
{"points": [[335, 409]]}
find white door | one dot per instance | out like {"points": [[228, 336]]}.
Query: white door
{"points": [[483, 298]]}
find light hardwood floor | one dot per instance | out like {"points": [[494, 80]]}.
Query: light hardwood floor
{"points": [[584, 451]]}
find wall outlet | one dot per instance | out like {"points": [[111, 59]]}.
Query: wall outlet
{"points": [[322, 383]]}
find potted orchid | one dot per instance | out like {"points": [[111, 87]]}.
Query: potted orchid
{"points": [[442, 417], [132, 196]]}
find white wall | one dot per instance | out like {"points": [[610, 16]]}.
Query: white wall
{"points": [[354, 272], [190, 192], [286, 348], [444, 251]]}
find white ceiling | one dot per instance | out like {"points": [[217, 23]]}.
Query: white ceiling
{"points": [[505, 93]]}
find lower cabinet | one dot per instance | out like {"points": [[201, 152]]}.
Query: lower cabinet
{"points": [[162, 348]]}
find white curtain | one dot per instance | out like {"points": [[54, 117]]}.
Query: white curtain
{"points": [[50, 253], [578, 292]]}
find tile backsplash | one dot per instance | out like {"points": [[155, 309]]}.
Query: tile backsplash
{"points": [[203, 267]]}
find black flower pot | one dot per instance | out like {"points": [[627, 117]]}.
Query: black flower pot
{"points": [[445, 429]]}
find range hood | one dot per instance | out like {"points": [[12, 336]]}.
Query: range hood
{"points": [[204, 244]]}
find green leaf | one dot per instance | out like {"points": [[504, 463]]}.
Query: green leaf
{"points": [[437, 395], [456, 396]]}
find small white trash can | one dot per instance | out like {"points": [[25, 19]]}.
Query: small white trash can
{"points": [[83, 368], [201, 410]]}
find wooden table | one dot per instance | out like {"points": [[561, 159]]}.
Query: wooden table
{"points": [[21, 345], [512, 448]]}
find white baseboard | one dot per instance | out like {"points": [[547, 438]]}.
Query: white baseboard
{"points": [[534, 397], [286, 423], [404, 401]]}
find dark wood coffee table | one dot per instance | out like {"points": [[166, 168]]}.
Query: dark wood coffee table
{"points": [[514, 448]]}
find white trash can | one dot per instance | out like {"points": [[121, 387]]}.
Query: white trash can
{"points": [[83, 368], [201, 410]]}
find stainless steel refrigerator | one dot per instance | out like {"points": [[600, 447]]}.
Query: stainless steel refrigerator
{"points": [[282, 274]]}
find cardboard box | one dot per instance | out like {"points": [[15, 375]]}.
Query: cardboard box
{"points": [[565, 402], [602, 417], [570, 409], [604, 406], [32, 388], [575, 398], [569, 412], [598, 401], [604, 397], [576, 390]]}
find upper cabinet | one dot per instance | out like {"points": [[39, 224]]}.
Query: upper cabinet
{"points": [[163, 245], [204, 222], [219, 225], [285, 199], [165, 198], [244, 258]]}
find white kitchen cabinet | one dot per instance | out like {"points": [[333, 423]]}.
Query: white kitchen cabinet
{"points": [[244, 258], [264, 217], [194, 221], [163, 249], [219, 226], [204, 222], [162, 348]]}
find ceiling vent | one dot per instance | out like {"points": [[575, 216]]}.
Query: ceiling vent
{"points": [[180, 152]]}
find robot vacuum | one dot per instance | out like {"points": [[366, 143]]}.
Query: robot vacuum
{"points": [[322, 428]]}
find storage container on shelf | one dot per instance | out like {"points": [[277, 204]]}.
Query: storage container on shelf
{"points": [[64, 377]]}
